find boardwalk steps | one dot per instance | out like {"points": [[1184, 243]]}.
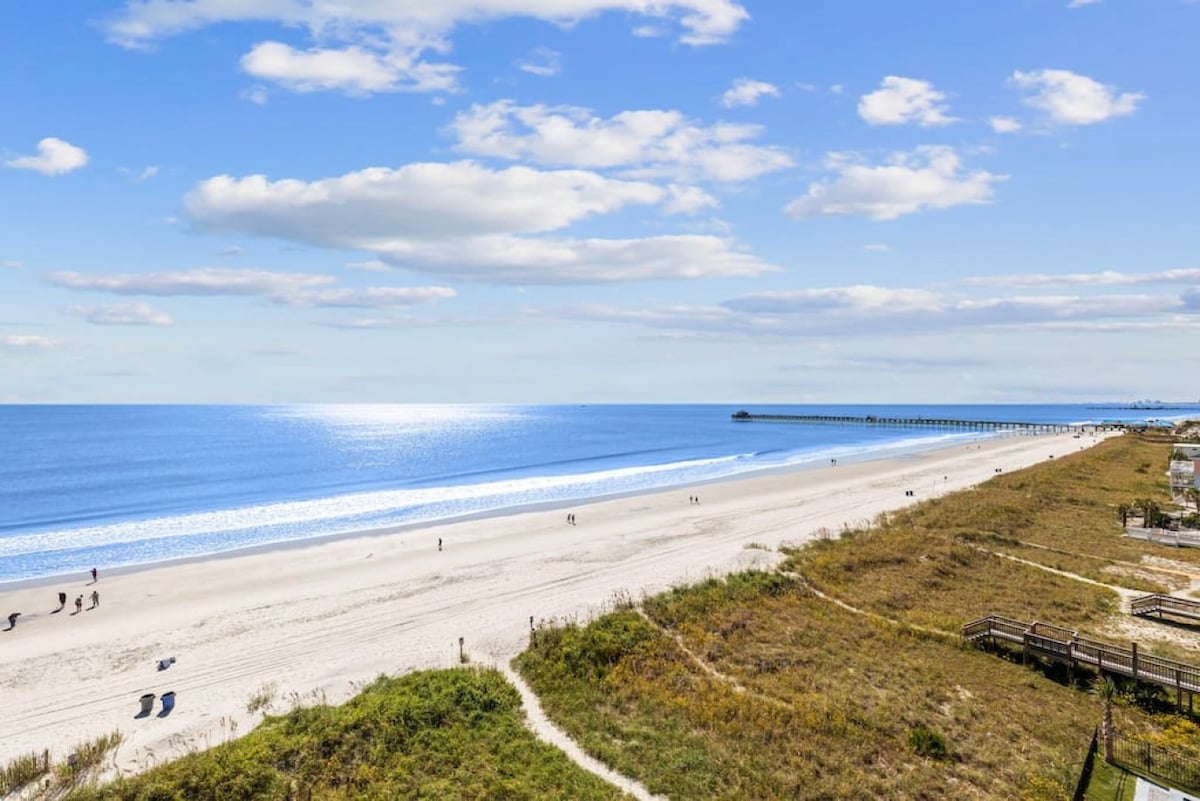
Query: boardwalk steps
{"points": [[744, 416], [1065, 645], [1159, 604]]}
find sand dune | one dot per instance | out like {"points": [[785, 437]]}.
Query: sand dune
{"points": [[318, 621]]}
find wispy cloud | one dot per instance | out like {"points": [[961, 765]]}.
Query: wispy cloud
{"points": [[747, 92], [121, 314]]}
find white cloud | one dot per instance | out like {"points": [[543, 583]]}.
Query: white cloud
{"points": [[526, 260], [646, 143], [543, 62], [202, 281], [353, 70], [876, 248], [1103, 278], [1005, 124], [929, 177], [862, 298], [370, 265], [872, 311], [54, 157], [746, 92], [375, 207], [1072, 99], [688, 200], [386, 42], [1082, 3], [904, 100], [374, 297], [15, 343], [121, 314], [12, 264]]}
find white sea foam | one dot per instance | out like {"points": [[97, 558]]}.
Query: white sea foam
{"points": [[306, 517]]}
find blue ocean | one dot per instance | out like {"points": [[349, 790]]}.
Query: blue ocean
{"points": [[114, 486]]}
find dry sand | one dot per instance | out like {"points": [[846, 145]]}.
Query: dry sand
{"points": [[316, 622]]}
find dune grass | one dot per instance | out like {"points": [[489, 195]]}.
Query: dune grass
{"points": [[447, 734], [811, 701], [754, 687], [933, 564]]}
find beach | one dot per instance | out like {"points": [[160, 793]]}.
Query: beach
{"points": [[313, 623]]}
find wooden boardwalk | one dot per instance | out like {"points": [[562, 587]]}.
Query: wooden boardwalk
{"points": [[925, 422], [1064, 645], [1159, 604]]}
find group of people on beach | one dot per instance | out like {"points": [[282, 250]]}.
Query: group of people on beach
{"points": [[62, 603], [570, 518]]}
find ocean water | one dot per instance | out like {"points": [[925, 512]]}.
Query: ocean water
{"points": [[108, 486]]}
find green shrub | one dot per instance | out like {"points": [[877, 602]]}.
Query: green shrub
{"points": [[926, 742]]}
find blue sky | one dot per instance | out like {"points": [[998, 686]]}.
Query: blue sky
{"points": [[599, 201]]}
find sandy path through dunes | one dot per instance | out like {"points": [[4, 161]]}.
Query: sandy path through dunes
{"points": [[317, 622]]}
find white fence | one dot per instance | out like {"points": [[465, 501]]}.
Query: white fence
{"points": [[1162, 536]]}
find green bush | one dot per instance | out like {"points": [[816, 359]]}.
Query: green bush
{"points": [[926, 742]]}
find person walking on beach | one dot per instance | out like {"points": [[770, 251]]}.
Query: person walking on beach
{"points": [[78, 604], [439, 543], [95, 599], [94, 574], [62, 601], [12, 620]]}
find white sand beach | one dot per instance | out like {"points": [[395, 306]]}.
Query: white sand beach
{"points": [[316, 622]]}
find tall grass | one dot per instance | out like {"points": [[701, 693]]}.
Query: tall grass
{"points": [[430, 735]]}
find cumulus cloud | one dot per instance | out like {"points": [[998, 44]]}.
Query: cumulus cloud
{"points": [[376, 207], [202, 281], [543, 62], [384, 45], [688, 200], [467, 221], [645, 143], [121, 314], [1068, 98], [1005, 124], [904, 100], [746, 92], [929, 177], [353, 70], [54, 157]]}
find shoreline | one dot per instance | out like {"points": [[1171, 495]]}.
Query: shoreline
{"points": [[898, 452], [316, 620]]}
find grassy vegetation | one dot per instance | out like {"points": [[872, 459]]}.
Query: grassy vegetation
{"points": [[925, 564], [753, 687], [834, 705], [448, 734]]}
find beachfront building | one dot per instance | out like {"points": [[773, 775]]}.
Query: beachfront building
{"points": [[1185, 467]]}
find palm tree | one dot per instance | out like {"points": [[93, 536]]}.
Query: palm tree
{"points": [[1107, 692], [1149, 509]]}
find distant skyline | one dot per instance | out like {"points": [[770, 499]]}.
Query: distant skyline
{"points": [[599, 201]]}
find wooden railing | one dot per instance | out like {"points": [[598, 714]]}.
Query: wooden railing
{"points": [[1066, 645], [1159, 604]]}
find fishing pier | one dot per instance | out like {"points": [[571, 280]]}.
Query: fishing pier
{"points": [[744, 416]]}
